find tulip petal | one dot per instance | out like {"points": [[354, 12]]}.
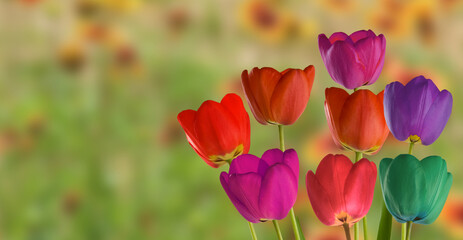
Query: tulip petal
{"points": [[396, 110], [246, 163], [218, 131], [437, 207], [370, 53], [288, 90], [420, 93], [234, 104], [338, 36], [187, 120], [344, 66], [332, 173], [437, 117], [363, 128], [246, 187], [258, 86], [404, 187], [362, 34], [435, 169], [320, 201], [335, 99], [323, 45], [278, 192], [359, 188], [291, 159]]}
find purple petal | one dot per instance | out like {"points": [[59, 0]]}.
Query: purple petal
{"points": [[245, 188], [278, 193], [362, 34], [396, 110], [338, 36], [246, 163], [242, 209], [379, 65], [371, 53], [420, 94], [344, 66], [291, 159], [323, 45], [437, 117], [273, 156]]}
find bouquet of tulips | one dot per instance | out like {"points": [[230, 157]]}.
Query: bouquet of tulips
{"points": [[340, 190]]}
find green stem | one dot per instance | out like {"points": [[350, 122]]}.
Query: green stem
{"points": [[409, 229], [277, 229], [410, 148], [294, 222], [355, 89], [358, 156], [365, 228], [403, 236], [346, 230], [282, 137], [253, 232]]}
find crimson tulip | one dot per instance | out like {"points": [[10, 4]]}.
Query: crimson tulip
{"points": [[356, 121], [340, 191], [218, 132], [277, 98]]}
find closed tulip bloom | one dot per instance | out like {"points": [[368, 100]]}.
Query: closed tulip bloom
{"points": [[356, 121], [277, 98], [340, 191], [263, 188], [353, 61], [415, 190], [218, 132], [417, 111]]}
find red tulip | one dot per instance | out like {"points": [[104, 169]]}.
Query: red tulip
{"points": [[218, 132], [277, 98], [356, 121], [340, 191]]}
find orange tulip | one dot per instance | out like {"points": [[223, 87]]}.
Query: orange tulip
{"points": [[356, 121], [277, 98]]}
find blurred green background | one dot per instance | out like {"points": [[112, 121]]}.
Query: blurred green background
{"points": [[90, 147]]}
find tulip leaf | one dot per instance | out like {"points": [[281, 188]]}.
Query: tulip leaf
{"points": [[299, 229]]}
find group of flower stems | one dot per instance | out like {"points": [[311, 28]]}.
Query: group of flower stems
{"points": [[340, 190]]}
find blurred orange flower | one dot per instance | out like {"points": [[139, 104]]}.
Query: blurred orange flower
{"points": [[452, 215]]}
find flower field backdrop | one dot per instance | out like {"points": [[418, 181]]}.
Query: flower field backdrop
{"points": [[90, 145]]}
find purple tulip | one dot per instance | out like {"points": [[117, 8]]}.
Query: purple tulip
{"points": [[353, 61], [417, 111], [263, 188]]}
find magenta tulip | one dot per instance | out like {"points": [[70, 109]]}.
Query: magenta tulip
{"points": [[263, 188], [353, 61]]}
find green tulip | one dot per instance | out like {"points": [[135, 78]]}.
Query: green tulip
{"points": [[415, 190]]}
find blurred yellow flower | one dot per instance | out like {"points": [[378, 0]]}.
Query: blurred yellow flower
{"points": [[399, 19], [339, 6], [72, 55], [266, 20]]}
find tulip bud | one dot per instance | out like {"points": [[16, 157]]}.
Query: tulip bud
{"points": [[415, 190], [417, 112], [218, 132]]}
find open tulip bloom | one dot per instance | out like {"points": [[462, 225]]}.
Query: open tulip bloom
{"points": [[413, 190], [353, 60], [417, 111], [340, 191], [277, 98], [356, 121], [218, 132], [263, 188]]}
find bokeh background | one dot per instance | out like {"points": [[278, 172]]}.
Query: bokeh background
{"points": [[90, 147]]}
